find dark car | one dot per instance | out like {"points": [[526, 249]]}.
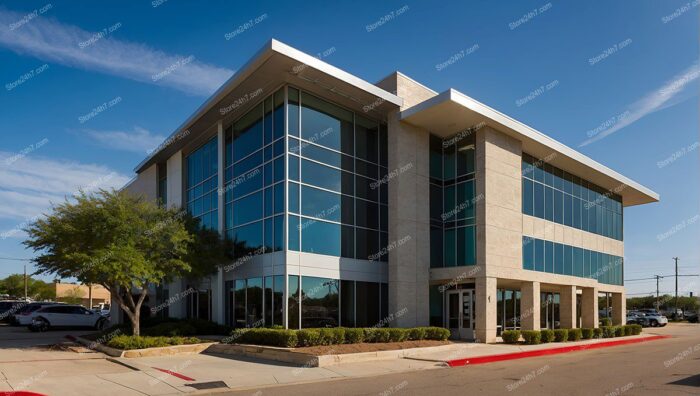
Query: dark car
{"points": [[10, 307]]}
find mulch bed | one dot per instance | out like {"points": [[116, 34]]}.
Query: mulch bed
{"points": [[373, 347]]}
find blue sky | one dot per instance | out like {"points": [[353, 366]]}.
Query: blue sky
{"points": [[84, 95]]}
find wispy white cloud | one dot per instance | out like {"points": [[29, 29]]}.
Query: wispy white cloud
{"points": [[52, 41], [656, 100], [139, 140], [28, 186]]}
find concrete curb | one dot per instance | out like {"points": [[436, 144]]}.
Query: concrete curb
{"points": [[548, 351], [149, 352], [287, 355]]}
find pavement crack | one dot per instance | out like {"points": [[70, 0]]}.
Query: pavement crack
{"points": [[122, 385]]}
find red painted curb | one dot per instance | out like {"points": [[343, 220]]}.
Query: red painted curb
{"points": [[174, 374], [20, 393], [544, 352]]}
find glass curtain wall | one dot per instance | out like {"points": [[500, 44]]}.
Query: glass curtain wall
{"points": [[557, 258], [254, 179], [555, 195], [549, 310], [452, 201], [202, 184], [337, 180]]}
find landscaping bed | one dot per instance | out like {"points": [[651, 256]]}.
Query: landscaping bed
{"points": [[364, 347], [533, 337]]}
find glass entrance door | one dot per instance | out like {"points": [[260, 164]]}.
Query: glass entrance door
{"points": [[460, 313]]}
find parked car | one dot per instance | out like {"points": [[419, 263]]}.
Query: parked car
{"points": [[655, 320], [636, 318], [24, 316], [10, 307], [65, 315], [692, 317], [102, 308]]}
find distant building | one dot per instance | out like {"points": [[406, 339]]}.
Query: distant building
{"points": [[68, 291]]}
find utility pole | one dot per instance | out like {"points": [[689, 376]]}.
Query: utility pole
{"points": [[657, 292], [675, 305], [25, 282]]}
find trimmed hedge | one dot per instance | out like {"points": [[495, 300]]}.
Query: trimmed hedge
{"points": [[587, 334], [619, 331], [547, 335], [416, 333], [575, 334], [127, 342], [605, 322], [597, 332], [561, 335], [531, 337], [636, 329], [608, 331], [511, 336], [333, 336], [357, 336]]}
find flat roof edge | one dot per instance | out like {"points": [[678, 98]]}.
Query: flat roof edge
{"points": [[493, 114], [264, 53]]}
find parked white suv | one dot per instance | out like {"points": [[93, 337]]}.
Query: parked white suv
{"points": [[66, 316]]}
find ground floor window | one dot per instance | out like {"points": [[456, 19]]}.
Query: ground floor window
{"points": [[549, 310], [198, 304], [507, 310], [312, 302], [604, 305]]}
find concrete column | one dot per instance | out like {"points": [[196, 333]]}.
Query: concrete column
{"points": [[567, 307], [589, 307], [530, 306], [619, 309], [485, 320]]}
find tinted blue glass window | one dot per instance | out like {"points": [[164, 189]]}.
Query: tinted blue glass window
{"points": [[326, 124], [539, 200], [293, 233], [293, 168], [247, 209], [366, 139], [528, 191], [548, 203], [293, 197], [568, 260], [539, 255], [528, 253], [278, 238], [279, 169], [320, 237], [450, 252], [278, 115], [293, 117], [250, 237], [549, 256], [320, 204], [367, 244], [321, 154], [279, 198], [269, 234], [366, 214], [248, 133], [320, 175]]}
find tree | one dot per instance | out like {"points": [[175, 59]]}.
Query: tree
{"points": [[124, 243], [36, 289]]}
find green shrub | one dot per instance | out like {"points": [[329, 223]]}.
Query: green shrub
{"points": [[597, 332], [308, 337], [374, 334], [575, 334], [332, 336], [397, 334], [605, 322], [547, 335], [561, 335], [126, 342], [436, 333], [531, 337], [619, 331], [354, 336], [587, 334], [636, 329], [416, 333], [511, 336], [258, 336], [608, 331]]}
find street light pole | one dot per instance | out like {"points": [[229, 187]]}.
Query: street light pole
{"points": [[25, 282], [657, 292]]}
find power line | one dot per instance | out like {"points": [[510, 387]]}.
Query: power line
{"points": [[15, 259]]}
